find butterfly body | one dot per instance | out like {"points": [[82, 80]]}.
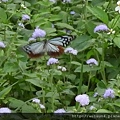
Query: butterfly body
{"points": [[53, 47]]}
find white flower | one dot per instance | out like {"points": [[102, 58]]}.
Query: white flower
{"points": [[35, 100], [21, 25], [25, 17], [68, 1], [38, 33], [52, 61], [59, 67], [60, 111], [82, 99], [2, 45], [92, 108], [92, 61], [5, 110], [64, 69], [71, 50], [118, 7], [31, 39], [23, 6], [42, 106], [111, 31]]}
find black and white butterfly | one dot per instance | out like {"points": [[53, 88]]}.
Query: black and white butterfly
{"points": [[53, 47]]}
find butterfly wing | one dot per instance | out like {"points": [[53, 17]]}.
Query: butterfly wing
{"points": [[35, 50], [55, 45]]}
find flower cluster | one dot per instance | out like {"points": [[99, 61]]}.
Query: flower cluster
{"points": [[82, 99], [52, 61], [5, 110], [118, 7], [60, 111], [91, 62], [71, 50], [2, 45], [109, 93], [25, 17], [35, 100], [99, 28]]}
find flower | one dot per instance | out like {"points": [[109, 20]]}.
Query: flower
{"points": [[61, 68], [72, 12], [35, 100], [118, 7], [4, 0], [109, 93], [60, 111], [2, 45], [92, 61], [52, 61], [102, 27], [54, 1], [25, 17], [111, 31], [31, 39], [71, 50], [5, 110], [38, 33], [42, 106], [95, 95], [23, 6], [82, 99], [21, 25], [68, 1], [92, 108]]}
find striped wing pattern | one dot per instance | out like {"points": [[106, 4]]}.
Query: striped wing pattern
{"points": [[53, 47]]}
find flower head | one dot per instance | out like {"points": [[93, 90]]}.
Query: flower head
{"points": [[21, 25], [42, 106], [72, 12], [31, 39], [92, 108], [99, 28], [109, 93], [67, 1], [5, 110], [52, 61], [95, 95], [92, 61], [38, 33], [35, 100], [61, 68], [25, 17], [4, 0], [82, 99], [118, 7], [60, 111], [111, 31], [2, 45], [71, 50]]}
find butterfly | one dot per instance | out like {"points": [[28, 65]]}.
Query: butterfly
{"points": [[53, 47]]}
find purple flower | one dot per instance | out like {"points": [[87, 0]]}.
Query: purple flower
{"points": [[109, 93], [38, 33], [60, 111], [71, 50], [72, 12], [25, 17], [35, 100], [82, 99], [5, 110], [52, 61], [92, 61], [95, 95], [2, 45], [21, 25], [102, 27]]}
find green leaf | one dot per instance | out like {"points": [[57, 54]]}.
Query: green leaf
{"points": [[82, 42], [117, 41], [103, 111], [50, 30], [3, 16], [54, 18], [99, 13], [64, 25]]}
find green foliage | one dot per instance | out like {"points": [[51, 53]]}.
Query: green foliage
{"points": [[22, 78]]}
